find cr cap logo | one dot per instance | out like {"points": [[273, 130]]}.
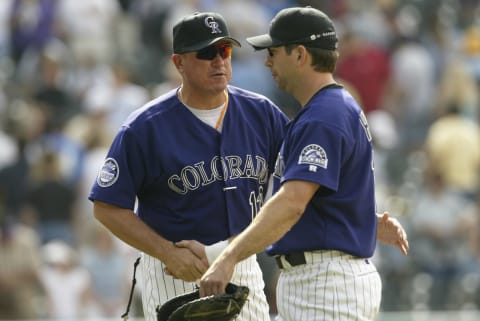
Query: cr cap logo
{"points": [[212, 24], [313, 155], [109, 173]]}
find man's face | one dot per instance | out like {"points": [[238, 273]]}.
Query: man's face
{"points": [[209, 69], [282, 66]]}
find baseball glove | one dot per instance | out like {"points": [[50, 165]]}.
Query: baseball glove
{"points": [[190, 307]]}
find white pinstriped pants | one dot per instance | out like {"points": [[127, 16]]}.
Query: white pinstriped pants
{"points": [[332, 286], [157, 288]]}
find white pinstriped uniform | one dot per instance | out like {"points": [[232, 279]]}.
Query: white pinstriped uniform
{"points": [[157, 288], [331, 286]]}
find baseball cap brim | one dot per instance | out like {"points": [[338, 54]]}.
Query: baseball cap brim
{"points": [[262, 42], [209, 42]]}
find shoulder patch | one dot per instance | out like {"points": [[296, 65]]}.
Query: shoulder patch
{"points": [[313, 155], [109, 173]]}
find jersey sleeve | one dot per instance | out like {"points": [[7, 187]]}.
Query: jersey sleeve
{"points": [[313, 153], [122, 172]]}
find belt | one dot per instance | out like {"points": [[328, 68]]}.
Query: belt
{"points": [[293, 258], [298, 258]]}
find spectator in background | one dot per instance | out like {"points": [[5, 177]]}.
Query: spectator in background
{"points": [[153, 38], [52, 200], [52, 137], [24, 125], [32, 25], [440, 231], [20, 261], [116, 99], [411, 91], [86, 27], [108, 267], [458, 86], [453, 149], [49, 87], [366, 67], [66, 282]]}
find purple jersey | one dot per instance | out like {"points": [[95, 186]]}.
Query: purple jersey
{"points": [[191, 181], [329, 143]]}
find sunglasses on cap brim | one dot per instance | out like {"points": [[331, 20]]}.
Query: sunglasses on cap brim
{"points": [[210, 52]]}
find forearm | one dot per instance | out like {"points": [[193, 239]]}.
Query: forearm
{"points": [[275, 218], [124, 224]]}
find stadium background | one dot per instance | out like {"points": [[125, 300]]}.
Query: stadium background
{"points": [[70, 72]]}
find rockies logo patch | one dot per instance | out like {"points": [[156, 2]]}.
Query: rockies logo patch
{"points": [[212, 24], [109, 173], [313, 155]]}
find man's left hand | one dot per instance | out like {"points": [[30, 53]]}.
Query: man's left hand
{"points": [[391, 232], [217, 277]]}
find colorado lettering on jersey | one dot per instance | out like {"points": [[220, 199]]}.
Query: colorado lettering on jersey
{"points": [[218, 169]]}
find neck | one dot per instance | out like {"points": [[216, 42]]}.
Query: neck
{"points": [[201, 100], [311, 85]]}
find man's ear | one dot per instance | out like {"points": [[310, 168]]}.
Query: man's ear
{"points": [[178, 62], [302, 54]]}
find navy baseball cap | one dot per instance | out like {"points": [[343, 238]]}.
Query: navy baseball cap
{"points": [[299, 25], [200, 30]]}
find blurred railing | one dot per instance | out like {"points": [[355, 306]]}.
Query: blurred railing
{"points": [[383, 316], [430, 316]]}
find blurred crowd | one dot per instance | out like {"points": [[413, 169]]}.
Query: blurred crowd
{"points": [[72, 70]]}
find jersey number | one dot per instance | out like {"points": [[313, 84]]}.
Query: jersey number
{"points": [[256, 201]]}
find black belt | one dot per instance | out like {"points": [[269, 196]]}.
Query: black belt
{"points": [[294, 259]]}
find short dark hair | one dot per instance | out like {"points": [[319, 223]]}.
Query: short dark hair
{"points": [[322, 60]]}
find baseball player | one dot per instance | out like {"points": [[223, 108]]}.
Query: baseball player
{"points": [[194, 165], [321, 220]]}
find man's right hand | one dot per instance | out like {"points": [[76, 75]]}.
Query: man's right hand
{"points": [[187, 261]]}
